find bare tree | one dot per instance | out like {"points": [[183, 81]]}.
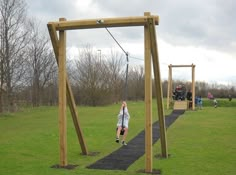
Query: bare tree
{"points": [[90, 77], [41, 62], [98, 79], [136, 83], [115, 71], [13, 36]]}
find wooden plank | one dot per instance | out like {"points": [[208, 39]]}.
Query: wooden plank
{"points": [[180, 65], [103, 22], [70, 97], [180, 105], [148, 100], [62, 97], [158, 87]]}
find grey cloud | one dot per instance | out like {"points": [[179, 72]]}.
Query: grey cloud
{"points": [[202, 23], [208, 24], [53, 9]]}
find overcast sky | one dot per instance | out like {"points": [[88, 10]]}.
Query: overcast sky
{"points": [[202, 32]]}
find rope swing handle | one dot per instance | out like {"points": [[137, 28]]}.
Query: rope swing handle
{"points": [[122, 125]]}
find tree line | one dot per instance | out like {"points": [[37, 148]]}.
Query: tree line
{"points": [[29, 73]]}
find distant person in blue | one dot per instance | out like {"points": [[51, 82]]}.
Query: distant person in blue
{"points": [[200, 102], [196, 101]]}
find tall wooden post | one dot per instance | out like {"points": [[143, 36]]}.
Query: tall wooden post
{"points": [[158, 87], [169, 90], [171, 85], [148, 99], [193, 87], [62, 96]]}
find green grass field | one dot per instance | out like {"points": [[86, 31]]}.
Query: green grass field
{"points": [[199, 142]]}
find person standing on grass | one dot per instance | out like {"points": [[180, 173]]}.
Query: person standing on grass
{"points": [[125, 115], [196, 101], [200, 102], [215, 103]]}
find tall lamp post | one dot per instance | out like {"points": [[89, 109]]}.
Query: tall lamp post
{"points": [[100, 53]]}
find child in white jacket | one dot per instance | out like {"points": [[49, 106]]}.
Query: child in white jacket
{"points": [[124, 113]]}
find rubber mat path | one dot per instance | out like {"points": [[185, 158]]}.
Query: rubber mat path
{"points": [[125, 156]]}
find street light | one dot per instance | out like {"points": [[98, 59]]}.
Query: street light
{"points": [[100, 53]]}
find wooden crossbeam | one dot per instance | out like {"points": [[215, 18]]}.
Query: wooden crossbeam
{"points": [[181, 65], [103, 22]]}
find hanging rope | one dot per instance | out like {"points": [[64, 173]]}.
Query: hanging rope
{"points": [[126, 78], [125, 93], [116, 41]]}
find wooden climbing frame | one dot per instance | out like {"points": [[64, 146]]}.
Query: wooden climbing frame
{"points": [[170, 86], [149, 22]]}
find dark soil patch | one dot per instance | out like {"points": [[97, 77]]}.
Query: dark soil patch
{"points": [[154, 171], [68, 167]]}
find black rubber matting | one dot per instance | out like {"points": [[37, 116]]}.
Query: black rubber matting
{"points": [[125, 156]]}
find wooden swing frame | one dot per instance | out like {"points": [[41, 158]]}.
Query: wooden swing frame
{"points": [[65, 93], [170, 86]]}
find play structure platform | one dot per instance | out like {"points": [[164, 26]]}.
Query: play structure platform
{"points": [[180, 105]]}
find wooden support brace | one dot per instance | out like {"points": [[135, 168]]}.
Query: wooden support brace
{"points": [[158, 87], [69, 94]]}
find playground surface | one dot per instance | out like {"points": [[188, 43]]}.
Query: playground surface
{"points": [[125, 156]]}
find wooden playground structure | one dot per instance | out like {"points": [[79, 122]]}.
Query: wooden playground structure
{"points": [[180, 104], [149, 22]]}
